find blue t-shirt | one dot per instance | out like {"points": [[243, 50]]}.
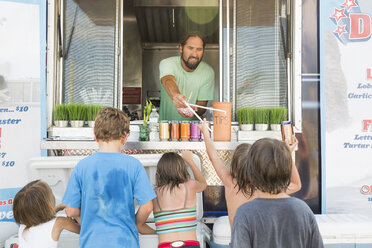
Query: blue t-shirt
{"points": [[104, 186]]}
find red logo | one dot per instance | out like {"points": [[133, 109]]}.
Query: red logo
{"points": [[360, 26], [350, 23], [366, 190], [369, 74], [366, 125]]}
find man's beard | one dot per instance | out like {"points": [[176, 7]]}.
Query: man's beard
{"points": [[191, 65]]}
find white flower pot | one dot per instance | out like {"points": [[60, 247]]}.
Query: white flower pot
{"points": [[77, 123], [275, 127], [61, 123], [261, 127], [91, 124], [246, 127]]}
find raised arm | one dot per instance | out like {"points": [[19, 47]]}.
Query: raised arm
{"points": [[141, 216], [201, 183], [221, 170], [295, 184]]}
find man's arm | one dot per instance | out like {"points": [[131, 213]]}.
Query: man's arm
{"points": [[201, 111], [170, 85]]}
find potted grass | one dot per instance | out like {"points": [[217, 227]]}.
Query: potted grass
{"points": [[78, 114], [245, 118], [261, 119], [92, 111], [60, 115], [277, 116], [144, 128]]}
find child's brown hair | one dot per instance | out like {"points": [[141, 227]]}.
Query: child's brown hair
{"points": [[34, 204], [238, 168], [269, 166], [111, 124], [171, 171]]}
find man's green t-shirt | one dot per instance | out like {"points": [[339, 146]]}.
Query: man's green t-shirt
{"points": [[200, 82]]}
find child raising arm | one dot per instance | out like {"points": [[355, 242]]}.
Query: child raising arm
{"points": [[235, 181]]}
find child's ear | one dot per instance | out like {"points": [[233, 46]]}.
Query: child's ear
{"points": [[124, 138], [95, 138]]}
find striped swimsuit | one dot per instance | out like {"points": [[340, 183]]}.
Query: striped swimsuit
{"points": [[178, 220]]}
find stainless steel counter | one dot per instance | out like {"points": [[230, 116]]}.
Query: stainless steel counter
{"points": [[79, 142], [137, 145]]}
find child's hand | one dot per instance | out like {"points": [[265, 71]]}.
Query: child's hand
{"points": [[292, 147], [60, 207], [187, 156], [203, 127]]}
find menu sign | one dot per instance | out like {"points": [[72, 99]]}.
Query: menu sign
{"points": [[132, 95], [22, 73], [346, 103]]}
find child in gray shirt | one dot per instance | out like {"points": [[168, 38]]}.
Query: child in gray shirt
{"points": [[273, 219]]}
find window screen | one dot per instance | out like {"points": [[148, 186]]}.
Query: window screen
{"points": [[261, 47], [89, 52]]}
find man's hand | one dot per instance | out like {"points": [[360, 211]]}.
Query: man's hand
{"points": [[179, 101], [185, 112]]}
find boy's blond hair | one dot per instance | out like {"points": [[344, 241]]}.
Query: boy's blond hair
{"points": [[111, 124]]}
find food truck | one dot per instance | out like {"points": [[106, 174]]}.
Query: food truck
{"points": [[265, 54]]}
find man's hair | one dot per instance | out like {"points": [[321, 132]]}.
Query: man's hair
{"points": [[34, 204], [239, 167], [269, 166], [111, 124], [186, 37], [171, 171]]}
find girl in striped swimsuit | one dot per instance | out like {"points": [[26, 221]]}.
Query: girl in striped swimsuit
{"points": [[175, 204]]}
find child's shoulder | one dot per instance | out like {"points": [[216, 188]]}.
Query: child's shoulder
{"points": [[106, 155]]}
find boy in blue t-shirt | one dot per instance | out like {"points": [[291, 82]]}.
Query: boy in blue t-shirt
{"points": [[102, 188]]}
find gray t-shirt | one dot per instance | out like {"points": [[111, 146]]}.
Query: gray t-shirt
{"points": [[282, 222]]}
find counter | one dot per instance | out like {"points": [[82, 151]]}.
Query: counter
{"points": [[136, 145], [80, 141]]}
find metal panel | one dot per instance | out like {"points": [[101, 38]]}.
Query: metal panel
{"points": [[207, 168], [168, 24], [132, 51], [176, 3], [296, 67], [308, 155]]}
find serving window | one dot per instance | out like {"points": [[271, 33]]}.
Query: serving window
{"points": [[104, 46]]}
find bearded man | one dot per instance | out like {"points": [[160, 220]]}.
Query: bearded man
{"points": [[185, 78]]}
